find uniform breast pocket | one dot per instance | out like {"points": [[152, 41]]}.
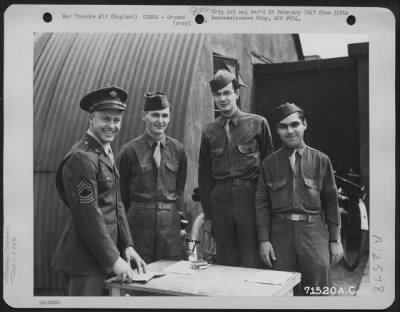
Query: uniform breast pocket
{"points": [[218, 165], [248, 148], [248, 155], [105, 182], [145, 168], [312, 192], [171, 170], [279, 193]]}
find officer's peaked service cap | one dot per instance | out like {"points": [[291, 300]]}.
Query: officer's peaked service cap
{"points": [[110, 97], [284, 110], [155, 101]]}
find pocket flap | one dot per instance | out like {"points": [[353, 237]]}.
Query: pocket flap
{"points": [[277, 184], [247, 148], [146, 167], [314, 184], [216, 152], [173, 166], [105, 178]]}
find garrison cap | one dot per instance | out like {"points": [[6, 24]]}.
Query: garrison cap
{"points": [[155, 101], [284, 110], [111, 97], [221, 79]]}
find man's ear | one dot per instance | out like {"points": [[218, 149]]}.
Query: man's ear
{"points": [[143, 115], [237, 93], [91, 115], [305, 124]]}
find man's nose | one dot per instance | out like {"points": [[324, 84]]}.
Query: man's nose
{"points": [[113, 124], [289, 129]]}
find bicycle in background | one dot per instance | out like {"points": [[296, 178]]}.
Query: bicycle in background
{"points": [[354, 217], [198, 244]]}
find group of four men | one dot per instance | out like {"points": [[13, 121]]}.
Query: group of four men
{"points": [[264, 208]]}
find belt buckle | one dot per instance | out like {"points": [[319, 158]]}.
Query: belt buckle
{"points": [[295, 217]]}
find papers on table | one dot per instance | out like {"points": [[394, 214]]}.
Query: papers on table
{"points": [[145, 277], [270, 277], [181, 267], [142, 278]]}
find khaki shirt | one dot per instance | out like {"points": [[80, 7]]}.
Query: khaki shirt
{"points": [[311, 191], [250, 142], [141, 181]]}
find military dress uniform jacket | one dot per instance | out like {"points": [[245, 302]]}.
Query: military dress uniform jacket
{"points": [[97, 230]]}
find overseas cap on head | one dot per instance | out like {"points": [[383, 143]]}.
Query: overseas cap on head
{"points": [[111, 97], [155, 101], [284, 110], [221, 79]]}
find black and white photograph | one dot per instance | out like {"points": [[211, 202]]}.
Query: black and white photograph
{"points": [[192, 154]]}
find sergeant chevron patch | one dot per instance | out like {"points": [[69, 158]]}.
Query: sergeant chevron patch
{"points": [[85, 191]]}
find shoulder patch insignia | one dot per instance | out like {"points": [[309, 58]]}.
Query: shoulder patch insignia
{"points": [[85, 191]]}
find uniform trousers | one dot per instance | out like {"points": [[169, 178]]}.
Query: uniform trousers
{"points": [[156, 232], [234, 223], [84, 285], [302, 246]]}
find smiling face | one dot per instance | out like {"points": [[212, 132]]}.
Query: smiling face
{"points": [[156, 122], [225, 100], [105, 124], [291, 131]]}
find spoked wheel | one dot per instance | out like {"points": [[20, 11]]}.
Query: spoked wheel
{"points": [[354, 234], [206, 248]]}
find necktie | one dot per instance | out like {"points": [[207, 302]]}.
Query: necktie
{"points": [[157, 155], [292, 160], [110, 154], [227, 132]]}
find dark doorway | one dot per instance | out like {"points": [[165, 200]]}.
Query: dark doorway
{"points": [[333, 96]]}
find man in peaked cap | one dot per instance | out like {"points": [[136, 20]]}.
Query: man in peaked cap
{"points": [[232, 147], [297, 209], [153, 175], [96, 240]]}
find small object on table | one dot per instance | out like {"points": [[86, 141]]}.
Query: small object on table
{"points": [[198, 264]]}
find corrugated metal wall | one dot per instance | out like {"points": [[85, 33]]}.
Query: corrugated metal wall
{"points": [[67, 66]]}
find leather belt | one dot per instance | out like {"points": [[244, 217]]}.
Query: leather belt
{"points": [[241, 182], [296, 217], [156, 205]]}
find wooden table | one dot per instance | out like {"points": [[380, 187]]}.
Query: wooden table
{"points": [[215, 280]]}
